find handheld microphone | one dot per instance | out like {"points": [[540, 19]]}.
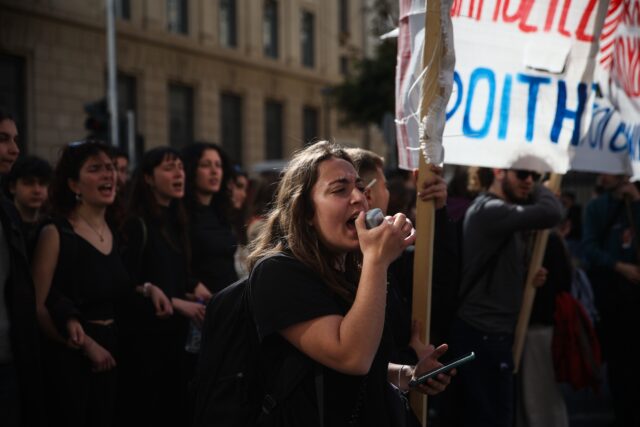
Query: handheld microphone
{"points": [[373, 217]]}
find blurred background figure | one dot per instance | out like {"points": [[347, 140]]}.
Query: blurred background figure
{"points": [[611, 251], [122, 167], [262, 199], [207, 200], [239, 189], [28, 185]]}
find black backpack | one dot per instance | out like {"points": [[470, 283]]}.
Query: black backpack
{"points": [[229, 389]]}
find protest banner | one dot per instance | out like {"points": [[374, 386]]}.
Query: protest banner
{"points": [[612, 143], [522, 91], [436, 60], [522, 84]]}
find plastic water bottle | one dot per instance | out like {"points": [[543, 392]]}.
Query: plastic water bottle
{"points": [[194, 336]]}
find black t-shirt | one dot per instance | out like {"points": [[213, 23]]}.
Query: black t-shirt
{"points": [[213, 246], [285, 292]]}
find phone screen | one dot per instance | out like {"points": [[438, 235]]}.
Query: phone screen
{"points": [[442, 369]]}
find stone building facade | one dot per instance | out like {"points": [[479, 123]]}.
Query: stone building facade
{"points": [[252, 75]]}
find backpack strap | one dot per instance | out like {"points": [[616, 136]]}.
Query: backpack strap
{"points": [[294, 369]]}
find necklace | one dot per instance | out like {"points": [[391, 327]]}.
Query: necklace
{"points": [[100, 235]]}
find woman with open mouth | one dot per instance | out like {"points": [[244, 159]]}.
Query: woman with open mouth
{"points": [[156, 254], [79, 277], [318, 291]]}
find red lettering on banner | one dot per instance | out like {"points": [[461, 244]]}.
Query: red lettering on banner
{"points": [[626, 67], [580, 34], [550, 14], [479, 10], [611, 23], [496, 12], [522, 14], [563, 19], [631, 14]]}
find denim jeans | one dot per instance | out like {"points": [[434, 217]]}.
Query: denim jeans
{"points": [[485, 386]]}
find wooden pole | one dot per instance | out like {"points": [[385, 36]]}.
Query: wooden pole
{"points": [[425, 211], [539, 249], [422, 273]]}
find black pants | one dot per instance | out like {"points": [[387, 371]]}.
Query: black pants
{"points": [[77, 396], [484, 388], [619, 305], [152, 386]]}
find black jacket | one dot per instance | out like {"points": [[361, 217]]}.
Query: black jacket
{"points": [[21, 306]]}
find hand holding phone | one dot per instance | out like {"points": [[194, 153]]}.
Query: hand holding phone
{"points": [[442, 369]]}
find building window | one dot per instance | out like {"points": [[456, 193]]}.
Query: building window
{"points": [[180, 115], [123, 9], [270, 28], [273, 130], [13, 92], [307, 39], [310, 124], [228, 23], [231, 123], [343, 16], [344, 65], [177, 16]]}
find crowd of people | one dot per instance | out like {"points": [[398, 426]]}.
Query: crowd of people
{"points": [[104, 280]]}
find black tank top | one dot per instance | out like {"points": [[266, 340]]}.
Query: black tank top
{"points": [[93, 281]]}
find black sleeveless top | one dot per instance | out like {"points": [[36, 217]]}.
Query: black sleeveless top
{"points": [[90, 281]]}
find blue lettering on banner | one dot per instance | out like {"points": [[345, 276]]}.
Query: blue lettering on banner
{"points": [[612, 135], [534, 86], [505, 104], [562, 112], [482, 75], [476, 75], [457, 81]]}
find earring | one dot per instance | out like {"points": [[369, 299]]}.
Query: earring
{"points": [[78, 197]]}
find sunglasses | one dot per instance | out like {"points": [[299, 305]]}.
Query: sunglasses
{"points": [[524, 174]]}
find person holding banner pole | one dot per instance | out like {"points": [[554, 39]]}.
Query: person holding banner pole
{"points": [[370, 168], [495, 258], [611, 250]]}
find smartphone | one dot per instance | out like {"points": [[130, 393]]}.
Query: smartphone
{"points": [[442, 369], [374, 217]]}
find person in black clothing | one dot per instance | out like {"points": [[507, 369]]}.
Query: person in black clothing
{"points": [[370, 168], [79, 277], [213, 243], [156, 254], [540, 401], [320, 290], [28, 183], [21, 391]]}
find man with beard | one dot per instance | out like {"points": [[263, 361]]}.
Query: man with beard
{"points": [[496, 252]]}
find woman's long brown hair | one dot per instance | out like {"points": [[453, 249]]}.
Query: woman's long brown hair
{"points": [[287, 228]]}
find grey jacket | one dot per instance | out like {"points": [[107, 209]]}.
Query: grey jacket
{"points": [[492, 224]]}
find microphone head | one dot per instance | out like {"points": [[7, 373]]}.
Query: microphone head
{"points": [[374, 217]]}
